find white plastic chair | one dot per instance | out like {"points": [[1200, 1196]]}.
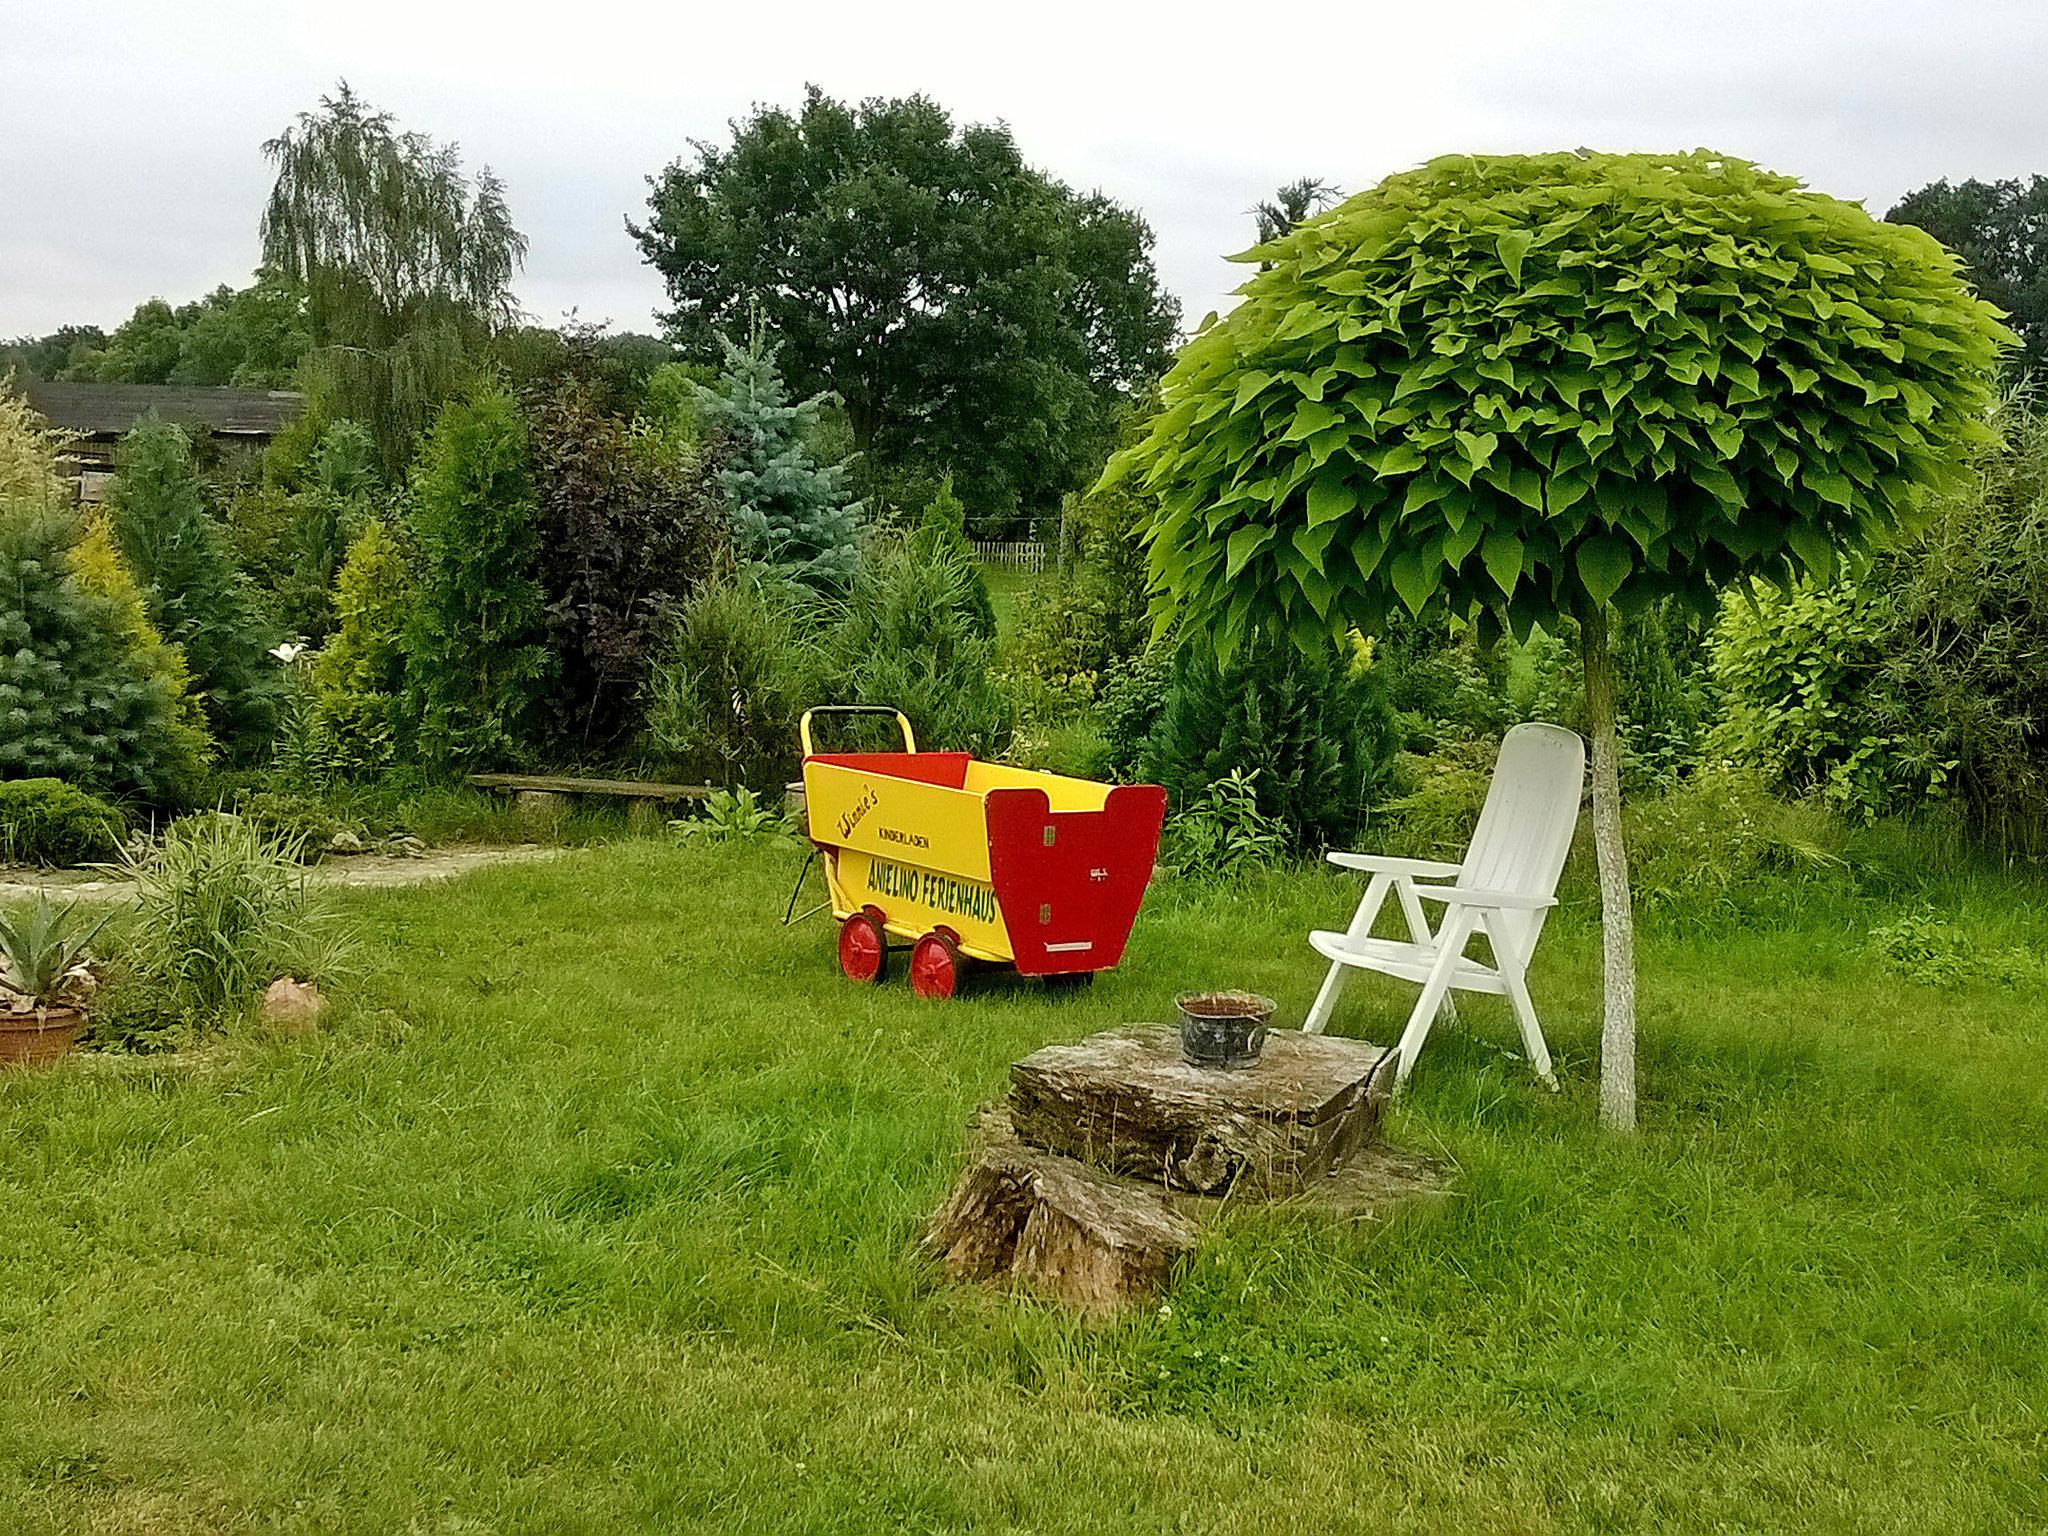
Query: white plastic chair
{"points": [[1504, 889]]}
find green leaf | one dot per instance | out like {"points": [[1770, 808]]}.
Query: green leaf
{"points": [[1604, 563], [1244, 543], [1249, 386], [1329, 499], [1512, 247], [1477, 447], [1502, 552], [1401, 459], [1414, 578]]}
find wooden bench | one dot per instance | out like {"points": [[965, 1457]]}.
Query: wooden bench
{"points": [[547, 795]]}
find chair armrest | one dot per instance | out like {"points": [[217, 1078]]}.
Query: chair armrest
{"points": [[1461, 896], [1381, 864]]}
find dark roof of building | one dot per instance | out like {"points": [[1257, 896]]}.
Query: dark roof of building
{"points": [[108, 410]]}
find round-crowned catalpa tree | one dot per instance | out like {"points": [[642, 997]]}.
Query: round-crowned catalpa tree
{"points": [[1530, 388]]}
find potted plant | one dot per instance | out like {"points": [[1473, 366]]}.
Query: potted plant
{"points": [[45, 982]]}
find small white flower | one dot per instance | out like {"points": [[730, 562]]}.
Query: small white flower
{"points": [[290, 651]]}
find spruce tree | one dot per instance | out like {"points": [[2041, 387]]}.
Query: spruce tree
{"points": [[198, 599], [787, 510], [477, 661], [78, 701]]}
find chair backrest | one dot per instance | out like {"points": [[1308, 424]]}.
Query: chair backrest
{"points": [[1525, 829]]}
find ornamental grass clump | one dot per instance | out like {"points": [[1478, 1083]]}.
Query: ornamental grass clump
{"points": [[223, 911], [1526, 388]]}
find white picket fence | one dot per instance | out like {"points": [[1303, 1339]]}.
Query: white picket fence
{"points": [[1027, 555]]}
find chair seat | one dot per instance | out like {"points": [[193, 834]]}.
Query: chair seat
{"points": [[1405, 959]]}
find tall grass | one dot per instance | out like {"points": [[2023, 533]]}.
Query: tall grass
{"points": [[222, 908]]}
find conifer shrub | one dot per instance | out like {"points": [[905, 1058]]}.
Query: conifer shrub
{"points": [[197, 598], [1312, 733], [46, 821], [477, 661], [359, 676], [78, 701], [97, 564]]}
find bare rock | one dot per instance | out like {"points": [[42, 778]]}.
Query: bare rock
{"points": [[293, 1007], [346, 842]]}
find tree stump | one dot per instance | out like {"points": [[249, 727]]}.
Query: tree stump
{"points": [[1125, 1102], [1080, 1236]]}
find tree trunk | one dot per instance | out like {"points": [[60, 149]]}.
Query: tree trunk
{"points": [[1617, 921]]}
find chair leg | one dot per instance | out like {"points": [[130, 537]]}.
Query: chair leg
{"points": [[1524, 1006], [1457, 931], [1333, 984], [1418, 930]]}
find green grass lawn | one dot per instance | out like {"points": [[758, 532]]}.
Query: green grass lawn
{"points": [[596, 1215]]}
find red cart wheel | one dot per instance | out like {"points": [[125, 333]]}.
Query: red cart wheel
{"points": [[863, 948], [935, 966]]}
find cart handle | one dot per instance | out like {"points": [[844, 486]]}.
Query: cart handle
{"points": [[803, 726]]}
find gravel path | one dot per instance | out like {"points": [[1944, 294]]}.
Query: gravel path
{"points": [[354, 871]]}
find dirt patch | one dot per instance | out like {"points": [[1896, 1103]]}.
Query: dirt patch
{"points": [[363, 870]]}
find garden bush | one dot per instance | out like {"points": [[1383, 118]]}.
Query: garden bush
{"points": [[626, 531], [477, 662], [740, 666], [1315, 729], [46, 821], [198, 599], [1221, 833], [78, 700], [909, 638], [30, 451]]}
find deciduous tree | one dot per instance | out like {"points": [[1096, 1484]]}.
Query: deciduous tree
{"points": [[1529, 387]]}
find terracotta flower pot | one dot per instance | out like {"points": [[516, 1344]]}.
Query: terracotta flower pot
{"points": [[36, 1040]]}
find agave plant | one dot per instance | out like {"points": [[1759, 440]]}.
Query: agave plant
{"points": [[43, 959]]}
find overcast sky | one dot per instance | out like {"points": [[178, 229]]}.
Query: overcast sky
{"points": [[130, 134]]}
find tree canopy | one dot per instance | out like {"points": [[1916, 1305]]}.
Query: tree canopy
{"points": [[2000, 229], [251, 337], [405, 262], [1534, 385], [973, 314]]}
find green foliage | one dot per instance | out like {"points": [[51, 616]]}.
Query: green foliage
{"points": [[198, 600], [975, 315], [405, 264], [1076, 625], [734, 816], [221, 907], [1721, 848], [79, 699], [1313, 733], [1221, 833], [787, 511], [30, 451], [1434, 800], [46, 821], [46, 357], [1128, 701], [1921, 676], [1801, 674], [43, 955], [477, 663], [292, 526], [626, 532], [359, 676], [1534, 385], [741, 665], [1997, 228], [252, 338], [1933, 951], [911, 638]]}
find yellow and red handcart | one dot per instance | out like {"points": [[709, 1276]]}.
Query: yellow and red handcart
{"points": [[966, 861]]}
